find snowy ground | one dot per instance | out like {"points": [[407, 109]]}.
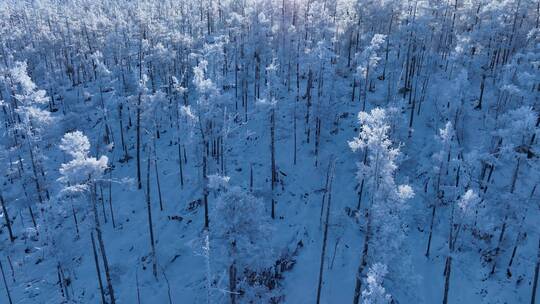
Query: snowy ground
{"points": [[299, 220]]}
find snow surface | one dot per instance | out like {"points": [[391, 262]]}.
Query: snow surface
{"points": [[298, 226]]}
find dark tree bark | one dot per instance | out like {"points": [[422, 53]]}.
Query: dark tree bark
{"points": [[96, 261], [110, 199], [150, 225], [434, 208], [328, 190], [138, 127], [102, 246], [232, 282], [157, 177], [535, 280], [273, 160], [6, 286], [6, 218]]}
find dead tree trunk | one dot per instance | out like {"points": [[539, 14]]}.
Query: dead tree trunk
{"points": [[180, 163], [205, 192], [447, 271], [75, 220], [434, 208], [308, 103], [499, 243], [273, 159], [232, 282], [536, 271], [7, 288], [110, 199], [325, 235], [448, 264], [518, 237], [204, 173], [138, 127], [102, 245], [121, 121], [482, 84], [96, 261], [317, 140], [7, 219], [363, 262], [150, 225], [34, 170], [138, 288], [62, 282], [157, 176]]}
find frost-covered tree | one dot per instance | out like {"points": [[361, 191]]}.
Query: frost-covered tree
{"points": [[386, 199], [206, 64], [515, 155], [241, 238], [28, 126], [368, 60], [270, 103], [209, 125], [375, 293], [443, 163], [80, 175], [460, 216], [82, 172]]}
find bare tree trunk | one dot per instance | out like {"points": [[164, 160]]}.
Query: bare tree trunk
{"points": [[168, 285], [434, 208], [138, 288], [317, 139], [75, 219], [448, 263], [61, 280], [96, 261], [102, 203], [11, 267], [535, 280], [482, 84], [6, 286], [157, 176], [325, 235], [308, 103], [296, 103], [360, 194], [519, 236], [498, 248], [33, 219], [448, 269], [364, 93], [34, 170], [363, 263], [251, 177], [232, 282], [110, 199], [138, 127], [205, 193], [150, 225], [273, 160], [121, 120], [180, 163], [7, 219], [204, 173], [102, 245]]}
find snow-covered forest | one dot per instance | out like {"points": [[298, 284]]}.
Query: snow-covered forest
{"points": [[269, 151]]}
